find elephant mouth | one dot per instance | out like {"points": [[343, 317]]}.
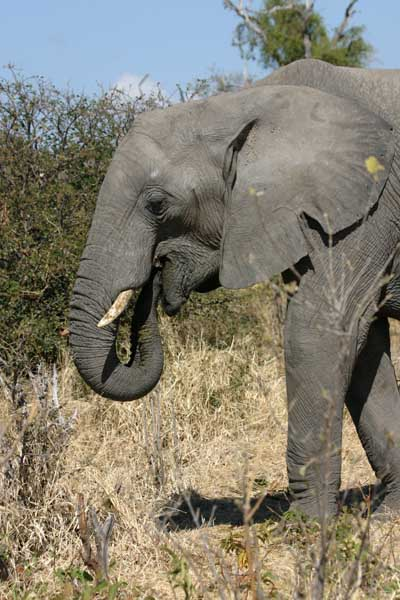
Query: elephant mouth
{"points": [[171, 300], [210, 284], [171, 306]]}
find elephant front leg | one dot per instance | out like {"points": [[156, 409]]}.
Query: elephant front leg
{"points": [[373, 401], [320, 349]]}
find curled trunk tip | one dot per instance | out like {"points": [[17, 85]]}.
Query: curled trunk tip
{"points": [[94, 348]]}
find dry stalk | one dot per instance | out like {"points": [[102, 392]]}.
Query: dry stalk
{"points": [[96, 561], [153, 438], [251, 540]]}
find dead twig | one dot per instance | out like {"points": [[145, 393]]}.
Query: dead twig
{"points": [[341, 30], [248, 17], [96, 561]]}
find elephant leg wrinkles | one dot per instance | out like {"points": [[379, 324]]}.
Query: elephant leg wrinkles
{"points": [[373, 401], [318, 356], [326, 328]]}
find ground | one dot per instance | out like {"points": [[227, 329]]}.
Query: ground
{"points": [[183, 471]]}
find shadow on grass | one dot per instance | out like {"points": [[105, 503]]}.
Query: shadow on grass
{"points": [[191, 510]]}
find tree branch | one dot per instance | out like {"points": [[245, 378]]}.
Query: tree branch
{"points": [[306, 37], [290, 6], [348, 15], [252, 22], [247, 17]]}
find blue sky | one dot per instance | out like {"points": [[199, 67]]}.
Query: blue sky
{"points": [[84, 42]]}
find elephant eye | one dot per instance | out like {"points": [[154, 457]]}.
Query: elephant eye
{"points": [[156, 205]]}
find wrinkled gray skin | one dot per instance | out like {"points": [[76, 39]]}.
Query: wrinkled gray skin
{"points": [[300, 175]]}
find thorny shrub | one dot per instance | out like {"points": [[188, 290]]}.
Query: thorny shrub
{"points": [[55, 147]]}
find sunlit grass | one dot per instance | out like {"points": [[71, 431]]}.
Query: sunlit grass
{"points": [[212, 434]]}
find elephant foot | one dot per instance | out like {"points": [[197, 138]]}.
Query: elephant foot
{"points": [[389, 508], [312, 509]]}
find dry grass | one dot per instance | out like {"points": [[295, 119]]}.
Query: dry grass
{"points": [[211, 437]]}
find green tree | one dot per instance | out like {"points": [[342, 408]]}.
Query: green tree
{"points": [[283, 31]]}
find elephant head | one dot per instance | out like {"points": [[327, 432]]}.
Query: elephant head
{"points": [[215, 191]]}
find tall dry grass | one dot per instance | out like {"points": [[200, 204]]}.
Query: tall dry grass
{"points": [[183, 471]]}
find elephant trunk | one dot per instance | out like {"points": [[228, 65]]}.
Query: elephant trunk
{"points": [[94, 348]]}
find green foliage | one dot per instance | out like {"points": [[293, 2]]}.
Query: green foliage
{"points": [[79, 584], [179, 574], [351, 50], [285, 31], [55, 147], [235, 543]]}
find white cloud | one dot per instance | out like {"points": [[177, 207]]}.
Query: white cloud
{"points": [[135, 85]]}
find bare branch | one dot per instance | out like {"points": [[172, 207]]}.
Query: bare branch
{"points": [[251, 20], [306, 36], [181, 93], [348, 15], [96, 561], [290, 6], [102, 534], [247, 17], [141, 82], [84, 533]]}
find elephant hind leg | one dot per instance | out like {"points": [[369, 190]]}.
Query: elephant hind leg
{"points": [[373, 401]]}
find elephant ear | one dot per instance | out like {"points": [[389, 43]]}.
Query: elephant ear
{"points": [[306, 153]]}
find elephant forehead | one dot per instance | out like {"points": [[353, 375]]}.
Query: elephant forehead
{"points": [[142, 147], [181, 125], [194, 169], [154, 149], [184, 149]]}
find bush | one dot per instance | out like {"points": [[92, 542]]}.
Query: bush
{"points": [[55, 147]]}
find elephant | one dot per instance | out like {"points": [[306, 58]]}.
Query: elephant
{"points": [[298, 174]]}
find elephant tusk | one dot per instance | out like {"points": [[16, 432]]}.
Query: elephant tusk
{"points": [[117, 308]]}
